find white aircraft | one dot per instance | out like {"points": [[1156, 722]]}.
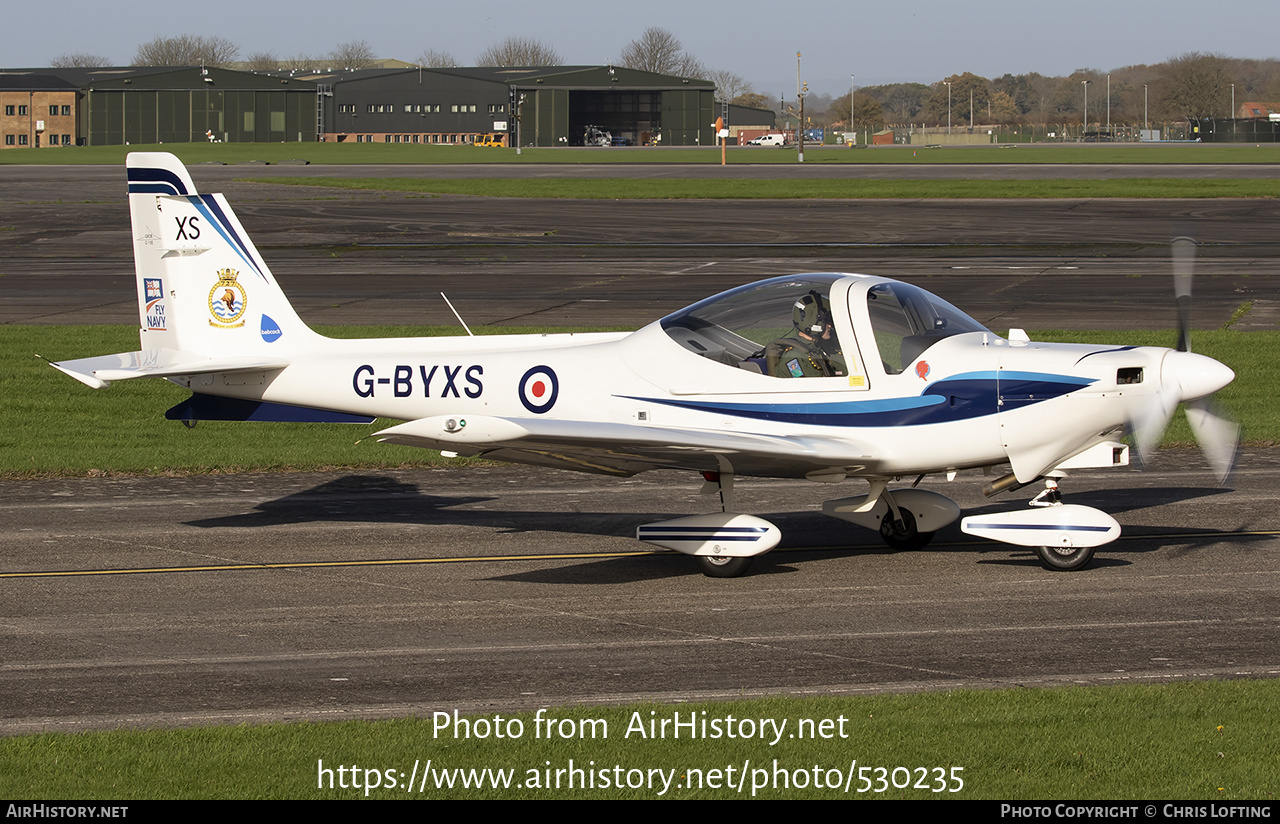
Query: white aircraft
{"points": [[818, 376]]}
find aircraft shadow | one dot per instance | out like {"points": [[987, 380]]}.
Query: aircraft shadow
{"points": [[807, 535]]}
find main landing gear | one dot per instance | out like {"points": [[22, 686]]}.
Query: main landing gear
{"points": [[724, 542]]}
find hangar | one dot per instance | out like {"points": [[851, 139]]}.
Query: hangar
{"points": [[544, 105], [547, 105], [170, 104]]}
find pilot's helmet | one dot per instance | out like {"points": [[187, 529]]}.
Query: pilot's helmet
{"points": [[812, 313]]}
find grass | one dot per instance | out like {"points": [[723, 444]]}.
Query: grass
{"points": [[1196, 740], [676, 188], [55, 426], [408, 153]]}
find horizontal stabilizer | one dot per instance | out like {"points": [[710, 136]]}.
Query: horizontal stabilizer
{"points": [[158, 363], [200, 407]]}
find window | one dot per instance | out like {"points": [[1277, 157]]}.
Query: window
{"points": [[8, 140], [497, 108], [53, 111], [66, 140], [408, 108], [781, 327], [22, 111], [372, 108], [908, 320], [66, 111], [22, 138], [8, 110]]}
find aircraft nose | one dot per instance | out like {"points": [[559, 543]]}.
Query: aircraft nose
{"points": [[1195, 375]]}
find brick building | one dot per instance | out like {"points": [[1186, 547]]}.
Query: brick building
{"points": [[37, 110]]}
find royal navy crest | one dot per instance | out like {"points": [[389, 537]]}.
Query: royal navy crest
{"points": [[227, 301]]}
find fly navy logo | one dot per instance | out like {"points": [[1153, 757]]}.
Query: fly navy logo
{"points": [[227, 301], [154, 308]]}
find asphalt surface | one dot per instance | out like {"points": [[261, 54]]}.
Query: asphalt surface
{"points": [[371, 257], [362, 595], [336, 595]]}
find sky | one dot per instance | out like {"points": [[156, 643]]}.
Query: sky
{"points": [[884, 42]]}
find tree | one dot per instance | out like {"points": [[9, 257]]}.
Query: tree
{"points": [[728, 84], [753, 100], [866, 112], [1196, 85], [433, 59], [1001, 108], [356, 54], [1068, 100], [659, 51], [961, 86], [186, 50], [903, 100], [262, 62], [520, 51], [80, 60], [302, 62]]}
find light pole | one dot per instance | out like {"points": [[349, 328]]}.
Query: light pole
{"points": [[851, 87], [1085, 128], [1146, 125], [948, 82], [800, 93], [1108, 104]]}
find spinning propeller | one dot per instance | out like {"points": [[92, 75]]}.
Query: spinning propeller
{"points": [[1190, 379]]}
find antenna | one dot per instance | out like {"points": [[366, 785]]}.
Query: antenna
{"points": [[456, 315]]}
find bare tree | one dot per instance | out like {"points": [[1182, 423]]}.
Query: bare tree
{"points": [[186, 50], [659, 51], [303, 62], [520, 51], [262, 62], [356, 54], [728, 84], [1196, 85], [437, 59], [80, 60]]}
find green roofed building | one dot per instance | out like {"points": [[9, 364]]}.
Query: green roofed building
{"points": [[542, 105], [546, 106]]}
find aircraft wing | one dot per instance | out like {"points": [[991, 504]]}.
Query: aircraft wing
{"points": [[624, 448]]}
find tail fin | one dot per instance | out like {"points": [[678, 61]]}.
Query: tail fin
{"points": [[203, 289]]}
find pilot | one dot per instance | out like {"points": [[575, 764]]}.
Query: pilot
{"points": [[811, 350]]}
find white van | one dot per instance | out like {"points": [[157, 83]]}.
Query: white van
{"points": [[769, 140]]}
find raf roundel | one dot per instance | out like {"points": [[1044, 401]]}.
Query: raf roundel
{"points": [[539, 389]]}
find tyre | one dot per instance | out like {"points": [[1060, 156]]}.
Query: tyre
{"points": [[720, 566], [1064, 559], [908, 538]]}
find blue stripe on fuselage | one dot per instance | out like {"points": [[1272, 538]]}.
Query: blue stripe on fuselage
{"points": [[960, 397]]}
